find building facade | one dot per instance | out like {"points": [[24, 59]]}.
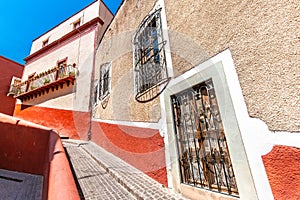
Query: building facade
{"points": [[203, 96], [8, 69], [57, 74]]}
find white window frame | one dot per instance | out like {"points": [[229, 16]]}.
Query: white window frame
{"points": [[241, 131]]}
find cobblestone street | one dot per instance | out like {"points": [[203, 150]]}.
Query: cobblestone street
{"points": [[94, 182], [101, 175]]}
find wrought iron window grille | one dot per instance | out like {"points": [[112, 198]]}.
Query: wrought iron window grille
{"points": [[150, 69], [203, 152], [104, 81], [96, 91]]}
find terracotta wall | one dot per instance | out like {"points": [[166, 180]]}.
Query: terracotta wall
{"points": [[282, 165], [141, 147], [30, 148], [8, 69], [73, 124], [22, 148]]}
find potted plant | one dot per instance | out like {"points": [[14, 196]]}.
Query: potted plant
{"points": [[72, 74], [46, 81], [33, 87], [62, 75]]}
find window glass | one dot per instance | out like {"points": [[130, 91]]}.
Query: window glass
{"points": [[149, 58]]}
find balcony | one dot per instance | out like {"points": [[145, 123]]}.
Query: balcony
{"points": [[40, 84]]}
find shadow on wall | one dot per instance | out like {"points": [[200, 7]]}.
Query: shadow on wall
{"points": [[31, 148]]}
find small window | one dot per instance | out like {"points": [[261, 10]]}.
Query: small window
{"points": [[104, 82], [150, 68], [46, 42], [62, 68], [30, 85], [76, 24]]}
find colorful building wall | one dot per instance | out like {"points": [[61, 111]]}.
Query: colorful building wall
{"points": [[8, 69], [65, 105], [262, 40]]}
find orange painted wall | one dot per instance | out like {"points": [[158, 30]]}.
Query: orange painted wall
{"points": [[282, 165], [143, 148], [8, 69], [69, 123]]}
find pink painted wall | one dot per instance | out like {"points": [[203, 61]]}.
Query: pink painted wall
{"points": [[8, 69], [282, 165]]}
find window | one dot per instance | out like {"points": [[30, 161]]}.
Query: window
{"points": [[206, 126], [104, 82], [96, 91], [149, 58], [203, 152], [30, 85], [76, 24], [45, 42], [62, 68]]}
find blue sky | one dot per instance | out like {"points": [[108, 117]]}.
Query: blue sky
{"points": [[22, 21]]}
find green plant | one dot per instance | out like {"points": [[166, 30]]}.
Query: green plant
{"points": [[62, 75], [46, 81], [33, 87], [71, 73]]}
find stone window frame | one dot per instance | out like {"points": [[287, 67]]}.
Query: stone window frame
{"points": [[241, 131]]}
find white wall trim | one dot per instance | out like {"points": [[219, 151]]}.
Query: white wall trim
{"points": [[147, 125]]}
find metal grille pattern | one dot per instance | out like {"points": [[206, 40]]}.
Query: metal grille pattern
{"points": [[149, 54], [202, 146], [104, 81]]}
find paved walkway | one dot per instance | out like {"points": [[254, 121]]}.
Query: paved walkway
{"points": [[20, 186], [101, 175]]}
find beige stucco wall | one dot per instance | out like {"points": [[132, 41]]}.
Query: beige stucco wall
{"points": [[264, 38], [116, 47]]}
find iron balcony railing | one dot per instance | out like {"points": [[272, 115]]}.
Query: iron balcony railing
{"points": [[43, 81]]}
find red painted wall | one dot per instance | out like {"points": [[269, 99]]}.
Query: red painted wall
{"points": [[30, 148], [69, 123], [143, 148], [22, 148], [282, 165], [8, 69]]}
